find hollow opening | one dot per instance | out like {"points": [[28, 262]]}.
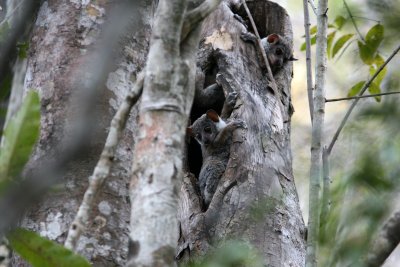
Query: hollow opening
{"points": [[194, 155]]}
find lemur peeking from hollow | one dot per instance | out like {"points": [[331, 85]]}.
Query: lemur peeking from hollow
{"points": [[277, 49], [214, 135]]}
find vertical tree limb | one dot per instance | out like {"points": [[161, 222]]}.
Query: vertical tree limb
{"points": [[102, 170], [326, 181], [167, 98], [308, 59], [317, 135]]}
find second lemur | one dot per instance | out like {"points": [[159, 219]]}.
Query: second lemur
{"points": [[215, 138], [277, 49]]}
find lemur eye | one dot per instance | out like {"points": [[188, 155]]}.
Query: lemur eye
{"points": [[207, 129], [279, 51]]}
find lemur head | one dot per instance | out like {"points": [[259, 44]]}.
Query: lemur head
{"points": [[206, 128], [278, 51]]}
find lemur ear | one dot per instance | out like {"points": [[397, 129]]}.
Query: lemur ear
{"points": [[272, 38], [212, 115], [189, 131]]}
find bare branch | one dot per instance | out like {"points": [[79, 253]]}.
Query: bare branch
{"points": [[317, 135], [197, 15], [308, 59], [353, 21], [326, 182], [358, 97], [261, 48], [362, 91], [387, 240], [311, 2], [158, 152], [102, 170]]}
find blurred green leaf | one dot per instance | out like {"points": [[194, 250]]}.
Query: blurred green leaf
{"points": [[340, 43], [22, 48], [312, 40], [375, 89], [375, 66], [19, 137], [366, 53], [340, 21], [313, 30], [374, 37], [355, 89], [330, 38], [41, 252]]}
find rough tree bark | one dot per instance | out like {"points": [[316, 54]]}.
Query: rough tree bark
{"points": [[64, 35], [259, 175], [256, 199]]}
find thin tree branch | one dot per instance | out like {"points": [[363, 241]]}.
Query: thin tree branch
{"points": [[365, 18], [308, 59], [317, 135], [387, 240], [261, 48], [365, 87], [311, 2], [353, 21], [197, 15], [102, 170], [326, 182], [358, 97]]}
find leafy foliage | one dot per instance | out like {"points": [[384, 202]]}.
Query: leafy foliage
{"points": [[41, 252], [19, 137], [367, 47], [22, 48], [355, 89], [340, 43], [360, 201]]}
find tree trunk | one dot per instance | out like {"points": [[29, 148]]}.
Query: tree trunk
{"points": [[63, 38], [256, 199]]}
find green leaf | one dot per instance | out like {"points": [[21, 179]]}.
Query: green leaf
{"points": [[313, 30], [366, 53], [312, 40], [330, 38], [41, 252], [375, 66], [19, 137], [374, 37], [340, 21], [340, 43], [375, 89], [355, 89], [23, 49]]}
